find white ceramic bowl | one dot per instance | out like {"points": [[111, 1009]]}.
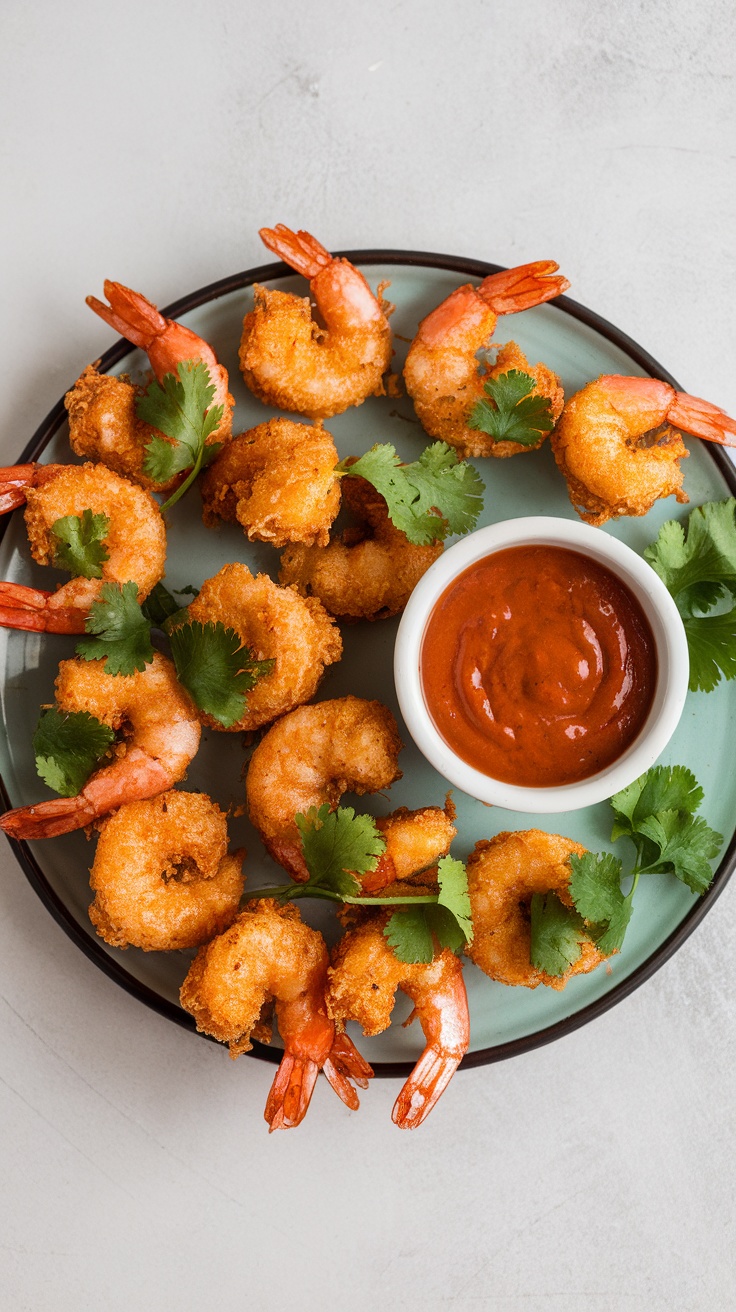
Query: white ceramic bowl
{"points": [[673, 664]]}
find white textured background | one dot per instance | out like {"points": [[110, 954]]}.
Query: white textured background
{"points": [[148, 142]]}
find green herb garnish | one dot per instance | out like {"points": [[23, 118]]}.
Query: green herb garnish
{"points": [[427, 499], [181, 408], [512, 413], [80, 544], [120, 631], [216, 669], [69, 746]]}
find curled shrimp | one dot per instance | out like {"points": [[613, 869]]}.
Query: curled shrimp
{"points": [[368, 571], [135, 540], [415, 842], [441, 371], [102, 419], [363, 980], [311, 757], [288, 360], [503, 875], [278, 480], [618, 446], [270, 956], [162, 876], [163, 736], [275, 624]]}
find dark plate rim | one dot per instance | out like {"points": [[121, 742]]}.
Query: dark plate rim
{"points": [[91, 945]]}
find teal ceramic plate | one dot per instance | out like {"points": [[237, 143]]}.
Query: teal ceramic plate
{"points": [[579, 346]]}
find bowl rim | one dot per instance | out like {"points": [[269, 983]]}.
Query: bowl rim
{"points": [[667, 630], [91, 946]]}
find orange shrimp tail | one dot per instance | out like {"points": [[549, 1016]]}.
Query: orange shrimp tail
{"points": [[28, 608], [383, 875], [521, 288], [343, 1065], [16, 479], [130, 314], [300, 249], [48, 819], [291, 1091], [424, 1088], [702, 419]]}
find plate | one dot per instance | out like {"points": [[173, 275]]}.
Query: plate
{"points": [[579, 346]]}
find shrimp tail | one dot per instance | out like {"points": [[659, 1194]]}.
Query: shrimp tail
{"points": [[424, 1087], [16, 479], [702, 419], [291, 1091], [518, 289], [130, 314], [48, 819], [300, 250], [28, 608], [344, 1064]]}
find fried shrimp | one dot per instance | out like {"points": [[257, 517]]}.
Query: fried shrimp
{"points": [[275, 624], [367, 572], [162, 876], [311, 757], [288, 360], [415, 842], [441, 371], [363, 980], [162, 729], [619, 448], [270, 956], [503, 875], [134, 540], [278, 481], [102, 419]]}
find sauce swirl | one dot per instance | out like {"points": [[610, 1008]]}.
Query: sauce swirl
{"points": [[538, 666]]}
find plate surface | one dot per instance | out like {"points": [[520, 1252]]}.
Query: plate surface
{"points": [[579, 346]]}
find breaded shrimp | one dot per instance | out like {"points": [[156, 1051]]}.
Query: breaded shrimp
{"points": [[163, 734], [362, 984], [619, 447], [269, 956], [288, 360], [503, 875], [276, 624], [278, 481], [415, 841], [311, 757], [367, 572], [102, 419], [441, 372], [135, 540], [162, 876]]}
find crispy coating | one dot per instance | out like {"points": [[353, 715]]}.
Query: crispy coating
{"points": [[276, 624], [135, 541], [103, 426], [445, 382], [415, 842], [367, 572], [278, 481], [503, 874], [162, 877], [313, 756], [618, 459]]}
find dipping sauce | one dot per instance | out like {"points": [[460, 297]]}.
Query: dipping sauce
{"points": [[538, 666]]}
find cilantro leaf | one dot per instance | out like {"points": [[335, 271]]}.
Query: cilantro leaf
{"points": [[161, 608], [428, 498], [612, 937], [697, 564], [68, 746], [409, 935], [556, 934], [452, 878], [595, 888], [662, 788], [121, 632], [216, 668], [684, 846], [80, 543], [338, 846], [181, 408], [513, 414]]}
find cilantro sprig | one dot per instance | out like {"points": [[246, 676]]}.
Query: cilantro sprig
{"points": [[216, 669], [697, 563], [657, 814], [68, 747], [181, 408], [119, 631], [512, 413], [80, 544], [339, 846], [427, 499]]}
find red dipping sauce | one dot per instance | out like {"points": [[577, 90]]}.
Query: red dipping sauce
{"points": [[538, 666]]}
